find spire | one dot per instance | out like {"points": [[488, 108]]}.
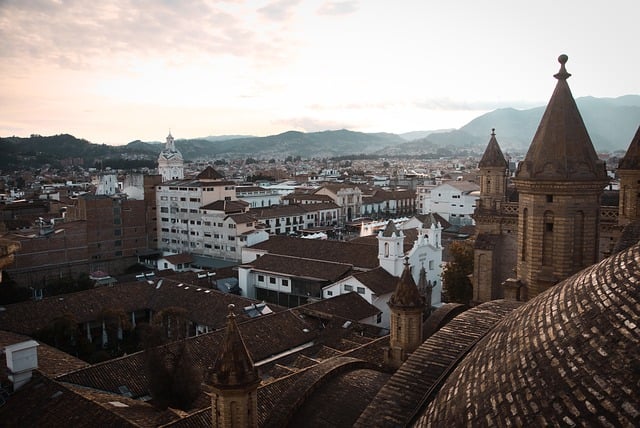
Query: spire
{"points": [[234, 366], [493, 157], [390, 230], [406, 293], [561, 148], [170, 143], [631, 159]]}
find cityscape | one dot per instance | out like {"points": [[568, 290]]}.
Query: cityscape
{"points": [[247, 292], [301, 213]]}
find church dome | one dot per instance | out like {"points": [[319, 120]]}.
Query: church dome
{"points": [[568, 357]]}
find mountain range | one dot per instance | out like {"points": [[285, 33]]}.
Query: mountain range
{"points": [[611, 123]]}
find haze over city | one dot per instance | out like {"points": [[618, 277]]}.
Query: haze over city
{"points": [[116, 71]]}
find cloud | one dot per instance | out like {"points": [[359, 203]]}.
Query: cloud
{"points": [[279, 10], [338, 7], [80, 34]]}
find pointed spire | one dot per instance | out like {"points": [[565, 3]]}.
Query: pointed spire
{"points": [[390, 229], [493, 157], [406, 293], [561, 148], [234, 366], [631, 159]]}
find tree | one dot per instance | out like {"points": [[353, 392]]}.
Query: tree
{"points": [[455, 275]]}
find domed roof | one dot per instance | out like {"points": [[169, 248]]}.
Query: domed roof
{"points": [[570, 356]]}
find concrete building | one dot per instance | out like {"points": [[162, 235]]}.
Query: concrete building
{"points": [[203, 216], [454, 200]]}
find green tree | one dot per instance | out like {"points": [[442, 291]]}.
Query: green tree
{"points": [[455, 275]]}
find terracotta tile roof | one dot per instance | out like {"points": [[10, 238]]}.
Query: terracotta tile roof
{"points": [[43, 402], [569, 356], [301, 268], [210, 174], [360, 256], [422, 374], [205, 306], [51, 361], [277, 211], [350, 306], [228, 207], [378, 280]]}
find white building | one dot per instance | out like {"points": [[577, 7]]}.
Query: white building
{"points": [[203, 216], [453, 200], [170, 162], [258, 197], [294, 271]]}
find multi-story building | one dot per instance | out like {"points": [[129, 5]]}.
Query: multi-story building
{"points": [[290, 219], [258, 197], [203, 216], [454, 200]]}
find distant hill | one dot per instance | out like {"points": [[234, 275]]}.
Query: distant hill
{"points": [[611, 123]]}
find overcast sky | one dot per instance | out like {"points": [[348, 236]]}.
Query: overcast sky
{"points": [[113, 71]]}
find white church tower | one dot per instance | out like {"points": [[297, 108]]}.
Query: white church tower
{"points": [[391, 249], [170, 162]]}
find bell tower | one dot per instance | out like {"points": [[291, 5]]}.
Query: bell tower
{"points": [[234, 382], [559, 183], [629, 173], [407, 307]]}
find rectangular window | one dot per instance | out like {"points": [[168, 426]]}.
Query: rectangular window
{"points": [[117, 232], [329, 293], [348, 287], [272, 280], [260, 278], [285, 282], [164, 209], [163, 198], [360, 290]]}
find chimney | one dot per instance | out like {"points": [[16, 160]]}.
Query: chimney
{"points": [[22, 359]]}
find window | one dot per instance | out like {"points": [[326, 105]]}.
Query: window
{"points": [[360, 290], [164, 209], [272, 280], [163, 198], [329, 293], [379, 318], [260, 278], [348, 287], [285, 282], [549, 198], [232, 226], [118, 243], [117, 232]]}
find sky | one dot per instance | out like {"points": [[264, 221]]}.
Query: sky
{"points": [[114, 71]]}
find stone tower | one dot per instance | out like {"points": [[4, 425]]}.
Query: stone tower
{"points": [[493, 176], [629, 173], [170, 162], [391, 249], [407, 307], [559, 183], [496, 225], [234, 382]]}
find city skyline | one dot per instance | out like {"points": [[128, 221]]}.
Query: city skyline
{"points": [[128, 70]]}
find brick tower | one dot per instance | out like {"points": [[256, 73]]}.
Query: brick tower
{"points": [[559, 183], [234, 382], [629, 173], [496, 224], [407, 307]]}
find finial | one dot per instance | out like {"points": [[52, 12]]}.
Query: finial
{"points": [[231, 307], [493, 132], [406, 261], [562, 74]]}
